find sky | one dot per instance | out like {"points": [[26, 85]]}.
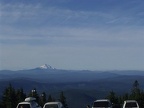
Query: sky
{"points": [[72, 34]]}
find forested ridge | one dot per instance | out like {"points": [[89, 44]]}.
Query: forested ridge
{"points": [[12, 96]]}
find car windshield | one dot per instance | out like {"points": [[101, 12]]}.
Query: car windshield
{"points": [[51, 106], [24, 106], [101, 104], [131, 104]]}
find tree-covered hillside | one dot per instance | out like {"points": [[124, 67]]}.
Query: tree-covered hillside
{"points": [[70, 98]]}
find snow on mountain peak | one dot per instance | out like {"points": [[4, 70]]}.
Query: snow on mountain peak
{"points": [[45, 66]]}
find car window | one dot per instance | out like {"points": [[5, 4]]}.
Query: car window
{"points": [[24, 106], [34, 104], [102, 104], [131, 104], [51, 106]]}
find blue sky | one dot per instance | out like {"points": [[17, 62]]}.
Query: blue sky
{"points": [[72, 34]]}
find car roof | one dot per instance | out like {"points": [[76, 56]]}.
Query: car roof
{"points": [[58, 103], [130, 101], [53, 102], [25, 102], [31, 102], [30, 99], [99, 100]]}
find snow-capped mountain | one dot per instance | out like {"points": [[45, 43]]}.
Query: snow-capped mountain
{"points": [[45, 66]]}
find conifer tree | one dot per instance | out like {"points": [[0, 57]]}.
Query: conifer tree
{"points": [[125, 96], [9, 97], [63, 100], [135, 92], [112, 97], [20, 95], [50, 99]]}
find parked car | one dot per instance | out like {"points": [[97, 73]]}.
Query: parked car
{"points": [[103, 103], [53, 105], [130, 104], [29, 102]]}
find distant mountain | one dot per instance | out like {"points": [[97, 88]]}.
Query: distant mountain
{"points": [[129, 72], [47, 73], [67, 79], [45, 66]]}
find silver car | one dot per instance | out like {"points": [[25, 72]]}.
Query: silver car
{"points": [[28, 103], [103, 103], [130, 104], [53, 105]]}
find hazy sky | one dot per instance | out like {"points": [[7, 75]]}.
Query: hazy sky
{"points": [[72, 34]]}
